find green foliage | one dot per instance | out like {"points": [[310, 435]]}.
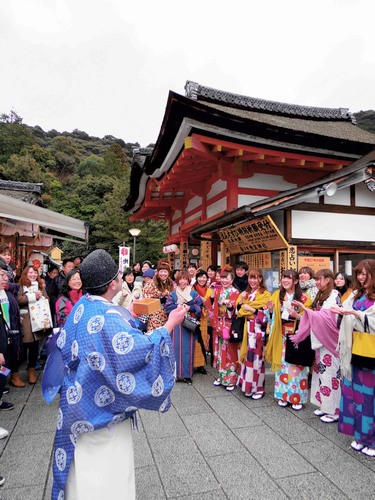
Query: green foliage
{"points": [[366, 120], [84, 177], [13, 136]]}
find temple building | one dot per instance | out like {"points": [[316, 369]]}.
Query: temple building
{"points": [[274, 184]]}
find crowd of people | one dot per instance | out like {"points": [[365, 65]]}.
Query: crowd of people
{"points": [[307, 330]]}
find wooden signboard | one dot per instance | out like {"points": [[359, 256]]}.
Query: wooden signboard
{"points": [[316, 263], [257, 235], [258, 260]]}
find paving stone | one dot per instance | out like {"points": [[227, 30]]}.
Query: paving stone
{"points": [[310, 487], [28, 493], [286, 425], [241, 476], [276, 456], [343, 470], [235, 414], [211, 435], [182, 468], [163, 424], [148, 484], [142, 452]]}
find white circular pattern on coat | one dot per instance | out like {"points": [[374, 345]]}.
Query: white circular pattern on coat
{"points": [[125, 382], [73, 439], [158, 387], [60, 419], [164, 349], [78, 313], [131, 409], [95, 324], [61, 339], [60, 458], [61, 495], [96, 361], [122, 343], [74, 393], [74, 349], [148, 358], [165, 404], [81, 426], [104, 396]]}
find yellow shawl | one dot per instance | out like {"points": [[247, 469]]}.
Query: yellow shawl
{"points": [[274, 347], [260, 302]]}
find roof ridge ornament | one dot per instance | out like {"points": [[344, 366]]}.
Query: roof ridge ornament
{"points": [[199, 92]]}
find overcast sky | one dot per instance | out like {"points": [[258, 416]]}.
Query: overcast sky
{"points": [[106, 66]]}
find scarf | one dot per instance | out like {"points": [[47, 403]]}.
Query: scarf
{"points": [[324, 326], [183, 296], [274, 347], [259, 302], [202, 290], [309, 287]]}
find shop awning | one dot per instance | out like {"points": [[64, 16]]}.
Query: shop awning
{"points": [[12, 209]]}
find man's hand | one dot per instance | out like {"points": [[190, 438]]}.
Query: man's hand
{"points": [[2, 359]]}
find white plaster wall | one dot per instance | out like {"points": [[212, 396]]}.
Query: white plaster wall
{"points": [[244, 199], [195, 216], [217, 187], [266, 181], [193, 203], [175, 228], [217, 207], [340, 227], [176, 215], [342, 197], [363, 196]]}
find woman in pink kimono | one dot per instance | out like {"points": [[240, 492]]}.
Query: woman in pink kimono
{"points": [[225, 353]]}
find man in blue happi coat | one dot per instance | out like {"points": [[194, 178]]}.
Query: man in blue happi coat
{"points": [[108, 370]]}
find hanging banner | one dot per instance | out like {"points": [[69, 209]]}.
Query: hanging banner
{"points": [[288, 259], [257, 235], [184, 257], [123, 258]]}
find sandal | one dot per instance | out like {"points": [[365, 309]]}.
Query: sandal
{"points": [[282, 403], [319, 413], [257, 395], [329, 419], [357, 446], [297, 407], [369, 452], [217, 382], [230, 388], [248, 394]]}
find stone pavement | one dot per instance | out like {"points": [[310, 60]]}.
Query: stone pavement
{"points": [[212, 444]]}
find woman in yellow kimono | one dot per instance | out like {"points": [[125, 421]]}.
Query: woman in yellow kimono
{"points": [[202, 345], [250, 305]]}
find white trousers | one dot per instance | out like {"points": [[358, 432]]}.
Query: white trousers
{"points": [[103, 465]]}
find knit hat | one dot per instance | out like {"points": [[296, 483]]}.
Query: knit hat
{"points": [[98, 269], [149, 273]]}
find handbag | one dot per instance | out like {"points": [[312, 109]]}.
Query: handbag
{"points": [[363, 348], [236, 329], [40, 315], [190, 323], [302, 354]]}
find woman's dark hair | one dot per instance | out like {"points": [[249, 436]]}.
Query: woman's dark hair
{"points": [[369, 266], [323, 295], [290, 273], [346, 279], [201, 272], [65, 288], [212, 267], [127, 272], [256, 273], [307, 270]]}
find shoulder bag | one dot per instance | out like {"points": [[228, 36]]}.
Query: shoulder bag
{"points": [[363, 348]]}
